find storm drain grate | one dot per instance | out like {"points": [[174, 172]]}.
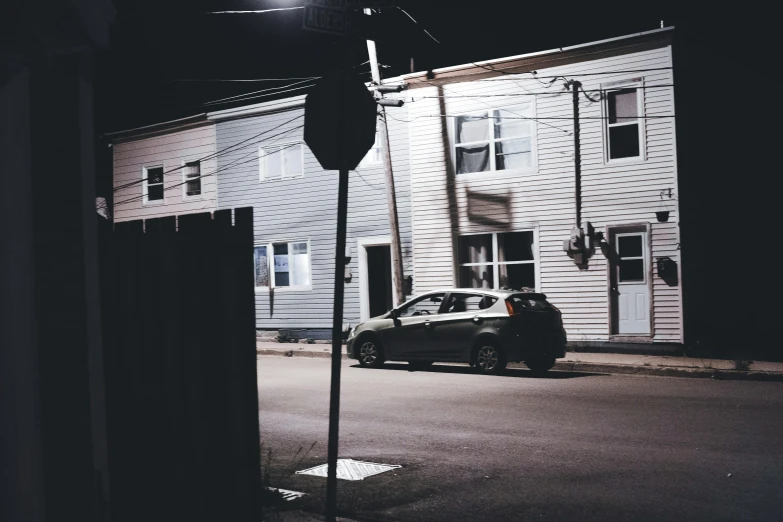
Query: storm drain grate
{"points": [[349, 469]]}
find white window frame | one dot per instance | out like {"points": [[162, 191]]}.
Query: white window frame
{"points": [[496, 264], [492, 140], [606, 88], [262, 161], [374, 154], [270, 259], [145, 187], [185, 196]]}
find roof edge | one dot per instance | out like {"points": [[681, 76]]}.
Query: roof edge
{"points": [[156, 128]]}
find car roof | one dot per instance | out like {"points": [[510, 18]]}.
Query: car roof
{"points": [[488, 291]]}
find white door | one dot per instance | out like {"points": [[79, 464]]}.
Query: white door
{"points": [[633, 293]]}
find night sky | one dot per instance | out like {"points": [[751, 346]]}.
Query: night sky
{"points": [[158, 43]]}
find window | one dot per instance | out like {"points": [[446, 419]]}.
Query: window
{"points": [[500, 139], [280, 265], [630, 250], [498, 260], [426, 305], [623, 123], [281, 161], [469, 303], [192, 174], [153, 184], [373, 156]]}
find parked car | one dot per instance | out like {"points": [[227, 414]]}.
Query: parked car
{"points": [[485, 328]]}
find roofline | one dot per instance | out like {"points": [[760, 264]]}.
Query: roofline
{"points": [[527, 56], [278, 105], [156, 128]]}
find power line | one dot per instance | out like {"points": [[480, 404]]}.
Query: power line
{"points": [[223, 151], [216, 171], [246, 80], [257, 11], [245, 97], [544, 94]]}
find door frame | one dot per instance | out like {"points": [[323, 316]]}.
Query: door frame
{"points": [[609, 233], [364, 284]]}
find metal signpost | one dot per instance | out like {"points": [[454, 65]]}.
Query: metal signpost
{"points": [[338, 100]]}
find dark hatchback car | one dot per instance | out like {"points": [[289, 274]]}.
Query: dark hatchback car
{"points": [[482, 327]]}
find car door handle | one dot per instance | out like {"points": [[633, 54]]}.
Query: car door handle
{"points": [[477, 319], [427, 324]]}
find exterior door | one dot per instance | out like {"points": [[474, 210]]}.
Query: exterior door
{"points": [[379, 279], [412, 331], [454, 329], [632, 292]]}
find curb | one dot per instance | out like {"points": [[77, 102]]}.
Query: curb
{"points": [[669, 371], [588, 367]]}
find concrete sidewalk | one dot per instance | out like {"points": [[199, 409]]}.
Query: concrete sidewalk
{"points": [[668, 366]]}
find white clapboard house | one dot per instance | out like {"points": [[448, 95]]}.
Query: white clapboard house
{"points": [[499, 186]]}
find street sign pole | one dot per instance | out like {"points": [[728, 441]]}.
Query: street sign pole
{"points": [[337, 317]]}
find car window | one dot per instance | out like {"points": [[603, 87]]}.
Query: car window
{"points": [[523, 302], [426, 305], [469, 303]]}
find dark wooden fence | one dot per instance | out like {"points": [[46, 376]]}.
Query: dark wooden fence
{"points": [[181, 392]]}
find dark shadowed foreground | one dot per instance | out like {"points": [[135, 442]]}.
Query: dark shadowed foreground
{"points": [[568, 447]]}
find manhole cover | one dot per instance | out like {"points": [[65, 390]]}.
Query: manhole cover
{"points": [[349, 469]]}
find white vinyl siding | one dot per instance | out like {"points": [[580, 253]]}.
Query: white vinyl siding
{"points": [[306, 207], [446, 207], [131, 158]]}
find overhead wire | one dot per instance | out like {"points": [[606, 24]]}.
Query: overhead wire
{"points": [[222, 151], [256, 11]]}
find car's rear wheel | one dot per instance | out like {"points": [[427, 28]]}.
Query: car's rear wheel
{"points": [[370, 353], [490, 358], [539, 366]]}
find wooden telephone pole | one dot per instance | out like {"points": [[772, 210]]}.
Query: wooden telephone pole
{"points": [[391, 195]]}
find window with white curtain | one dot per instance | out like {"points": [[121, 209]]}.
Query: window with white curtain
{"points": [[500, 139], [498, 260], [282, 265], [282, 161]]}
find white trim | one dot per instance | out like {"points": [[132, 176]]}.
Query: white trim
{"points": [[280, 146], [630, 83], [364, 284], [145, 186], [258, 108]]}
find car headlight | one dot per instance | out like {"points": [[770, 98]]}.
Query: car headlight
{"points": [[351, 332]]}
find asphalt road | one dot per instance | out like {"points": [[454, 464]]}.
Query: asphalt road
{"points": [[573, 447]]}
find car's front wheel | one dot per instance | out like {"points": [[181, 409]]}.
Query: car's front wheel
{"points": [[370, 353], [490, 358], [541, 365]]}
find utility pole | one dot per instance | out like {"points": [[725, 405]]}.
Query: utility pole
{"points": [[577, 155], [391, 196]]}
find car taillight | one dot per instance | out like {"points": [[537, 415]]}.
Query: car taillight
{"points": [[510, 308]]}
